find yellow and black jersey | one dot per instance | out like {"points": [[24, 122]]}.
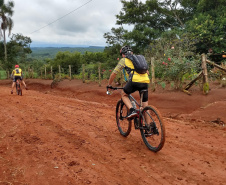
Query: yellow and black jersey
{"points": [[130, 73], [17, 72]]}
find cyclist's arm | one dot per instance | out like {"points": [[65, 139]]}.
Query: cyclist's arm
{"points": [[118, 68], [111, 79], [12, 74]]}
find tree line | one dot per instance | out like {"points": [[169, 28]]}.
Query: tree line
{"points": [[179, 29]]}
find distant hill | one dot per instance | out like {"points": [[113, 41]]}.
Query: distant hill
{"points": [[50, 52]]}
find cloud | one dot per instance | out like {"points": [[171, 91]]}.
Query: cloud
{"points": [[77, 22]]}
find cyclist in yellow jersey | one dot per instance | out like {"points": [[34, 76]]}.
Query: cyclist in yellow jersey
{"points": [[136, 81], [17, 74]]}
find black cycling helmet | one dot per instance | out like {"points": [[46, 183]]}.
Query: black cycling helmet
{"points": [[125, 49]]}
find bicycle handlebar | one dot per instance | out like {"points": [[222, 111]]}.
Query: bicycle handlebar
{"points": [[113, 88]]}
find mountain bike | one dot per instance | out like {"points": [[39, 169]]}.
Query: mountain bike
{"points": [[18, 87], [148, 120]]}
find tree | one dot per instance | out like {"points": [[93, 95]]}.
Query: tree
{"points": [[6, 13], [202, 22], [150, 20], [208, 26], [18, 48], [117, 37]]}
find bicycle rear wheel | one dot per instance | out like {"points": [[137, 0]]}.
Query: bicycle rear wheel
{"points": [[152, 128], [124, 125]]}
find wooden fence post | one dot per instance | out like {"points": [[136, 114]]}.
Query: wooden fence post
{"points": [[192, 82], [99, 67], [217, 66], [52, 72], [153, 73], [83, 73], [205, 75], [70, 71], [45, 72]]}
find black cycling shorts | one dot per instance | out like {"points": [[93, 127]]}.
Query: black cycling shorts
{"points": [[131, 87], [17, 77]]}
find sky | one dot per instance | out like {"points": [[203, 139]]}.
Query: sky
{"points": [[69, 22]]}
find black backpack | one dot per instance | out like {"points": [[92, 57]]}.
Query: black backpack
{"points": [[139, 62]]}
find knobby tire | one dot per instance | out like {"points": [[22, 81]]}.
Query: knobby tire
{"points": [[18, 89], [124, 125], [148, 131]]}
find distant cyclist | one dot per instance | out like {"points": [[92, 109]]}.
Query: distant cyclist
{"points": [[17, 74], [136, 81]]}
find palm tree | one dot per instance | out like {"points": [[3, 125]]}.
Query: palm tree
{"points": [[6, 13]]}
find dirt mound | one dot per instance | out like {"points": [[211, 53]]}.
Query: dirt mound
{"points": [[68, 135], [172, 104]]}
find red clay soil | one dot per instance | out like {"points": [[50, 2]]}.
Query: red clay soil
{"points": [[68, 136]]}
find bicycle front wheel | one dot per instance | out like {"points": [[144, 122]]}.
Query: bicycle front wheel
{"points": [[152, 128], [124, 125], [17, 91], [20, 92]]}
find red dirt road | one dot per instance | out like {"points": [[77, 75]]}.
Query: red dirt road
{"points": [[68, 135]]}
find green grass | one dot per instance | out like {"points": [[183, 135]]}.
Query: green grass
{"points": [[3, 75]]}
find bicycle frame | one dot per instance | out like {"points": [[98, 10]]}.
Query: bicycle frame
{"points": [[137, 123], [131, 98]]}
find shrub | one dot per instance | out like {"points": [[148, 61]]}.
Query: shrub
{"points": [[176, 68], [93, 77], [106, 74], [3, 74]]}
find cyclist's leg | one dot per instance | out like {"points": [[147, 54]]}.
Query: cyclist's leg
{"points": [[24, 83], [128, 89], [145, 104], [147, 118], [13, 84], [144, 86], [145, 95], [140, 87], [126, 100]]}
